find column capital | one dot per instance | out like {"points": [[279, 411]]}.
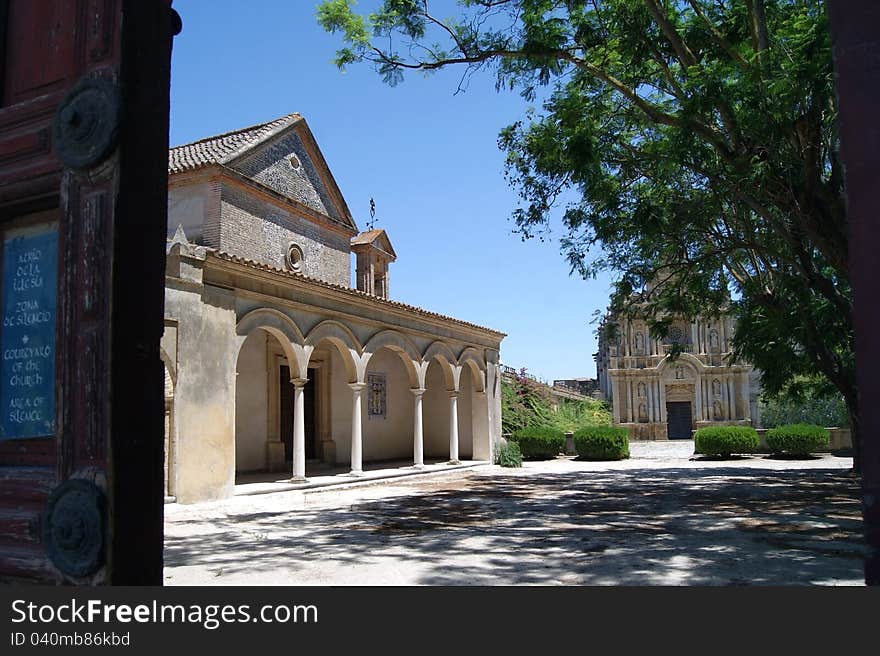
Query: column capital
{"points": [[299, 382], [357, 387], [418, 391]]}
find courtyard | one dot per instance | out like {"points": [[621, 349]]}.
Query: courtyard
{"points": [[660, 518]]}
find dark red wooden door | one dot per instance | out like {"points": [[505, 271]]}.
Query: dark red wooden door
{"points": [[83, 193]]}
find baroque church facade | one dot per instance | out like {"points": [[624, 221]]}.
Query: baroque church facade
{"points": [[658, 397], [274, 362]]}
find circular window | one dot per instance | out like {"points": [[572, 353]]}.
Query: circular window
{"points": [[675, 335], [294, 257], [294, 161]]}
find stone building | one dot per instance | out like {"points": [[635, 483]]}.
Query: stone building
{"points": [[657, 397], [274, 362]]}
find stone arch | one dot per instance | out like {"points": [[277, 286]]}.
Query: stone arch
{"points": [[283, 329], [472, 358], [684, 359], [343, 339], [399, 344], [441, 352]]}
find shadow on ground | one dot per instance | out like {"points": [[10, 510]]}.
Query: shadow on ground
{"points": [[721, 526]]}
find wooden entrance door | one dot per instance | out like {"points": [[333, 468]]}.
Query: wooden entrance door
{"points": [[679, 420], [286, 409], [83, 196]]}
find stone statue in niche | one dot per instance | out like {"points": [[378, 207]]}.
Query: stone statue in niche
{"points": [[642, 389], [714, 342], [643, 412], [716, 387], [679, 373], [717, 412], [639, 343]]}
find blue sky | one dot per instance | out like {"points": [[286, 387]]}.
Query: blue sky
{"points": [[428, 157]]}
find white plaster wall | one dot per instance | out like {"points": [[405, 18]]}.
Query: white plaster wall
{"points": [[251, 405], [391, 437], [340, 409], [204, 402], [186, 207]]}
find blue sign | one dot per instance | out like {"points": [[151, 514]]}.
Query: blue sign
{"points": [[27, 347]]}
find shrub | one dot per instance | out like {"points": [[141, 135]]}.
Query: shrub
{"points": [[725, 440], [797, 439], [602, 443], [508, 455], [539, 442]]}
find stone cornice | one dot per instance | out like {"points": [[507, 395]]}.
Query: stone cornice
{"points": [[237, 265]]}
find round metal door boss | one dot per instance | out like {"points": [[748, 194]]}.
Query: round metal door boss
{"points": [[74, 527], [86, 126]]}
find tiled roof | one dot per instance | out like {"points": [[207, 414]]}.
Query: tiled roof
{"points": [[367, 237], [370, 237], [223, 147], [220, 255]]}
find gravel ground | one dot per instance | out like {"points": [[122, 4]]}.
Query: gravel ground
{"points": [[659, 518]]}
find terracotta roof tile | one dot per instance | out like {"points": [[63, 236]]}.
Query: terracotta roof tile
{"points": [[221, 147], [220, 255]]}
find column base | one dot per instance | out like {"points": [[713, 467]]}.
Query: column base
{"points": [[454, 462], [356, 472], [298, 479]]}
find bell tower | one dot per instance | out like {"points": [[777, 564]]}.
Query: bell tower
{"points": [[374, 254]]}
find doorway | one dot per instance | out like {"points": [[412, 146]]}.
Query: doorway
{"points": [[679, 420], [285, 395]]}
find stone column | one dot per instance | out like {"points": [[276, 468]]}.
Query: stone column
{"points": [[650, 400], [707, 392], [629, 400], [453, 428], [615, 399], [731, 399], [698, 396], [657, 384], [662, 402], [418, 438], [744, 395], [357, 468], [299, 430]]}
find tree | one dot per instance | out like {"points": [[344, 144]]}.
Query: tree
{"points": [[698, 137]]}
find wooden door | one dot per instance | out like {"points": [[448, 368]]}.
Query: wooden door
{"points": [[83, 198], [679, 420]]}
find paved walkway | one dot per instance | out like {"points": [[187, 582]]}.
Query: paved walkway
{"points": [[660, 517]]}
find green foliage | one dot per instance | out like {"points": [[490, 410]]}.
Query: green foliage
{"points": [[539, 442], [806, 400], [725, 440], [525, 402], [695, 142], [602, 443], [573, 415], [798, 439], [508, 455]]}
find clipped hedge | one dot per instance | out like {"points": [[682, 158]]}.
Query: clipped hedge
{"points": [[539, 442], [726, 440], [798, 439], [508, 455], [602, 443]]}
